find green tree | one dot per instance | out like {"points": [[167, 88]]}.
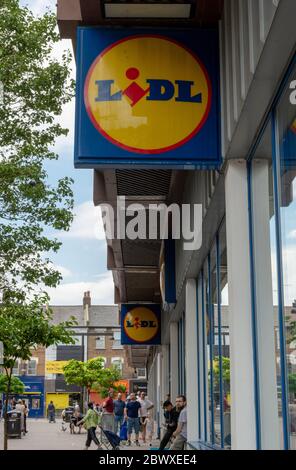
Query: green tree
{"points": [[24, 327], [92, 375], [225, 369], [108, 380], [84, 374], [36, 87], [16, 385]]}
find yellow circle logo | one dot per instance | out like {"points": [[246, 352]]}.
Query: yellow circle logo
{"points": [[147, 94], [141, 324]]}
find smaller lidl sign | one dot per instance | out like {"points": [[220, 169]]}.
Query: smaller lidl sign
{"points": [[147, 98], [140, 324]]}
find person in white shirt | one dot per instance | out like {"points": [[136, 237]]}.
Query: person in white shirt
{"points": [[146, 405], [22, 409]]}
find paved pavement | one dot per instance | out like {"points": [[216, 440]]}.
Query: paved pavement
{"points": [[50, 436]]}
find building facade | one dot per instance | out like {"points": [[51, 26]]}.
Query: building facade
{"points": [[97, 335], [228, 337]]}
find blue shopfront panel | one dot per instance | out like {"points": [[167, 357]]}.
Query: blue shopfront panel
{"points": [[33, 395]]}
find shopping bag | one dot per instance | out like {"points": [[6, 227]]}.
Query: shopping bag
{"points": [[123, 432]]}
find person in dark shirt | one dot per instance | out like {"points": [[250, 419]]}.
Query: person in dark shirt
{"points": [[133, 420], [51, 412], [119, 406], [171, 415]]}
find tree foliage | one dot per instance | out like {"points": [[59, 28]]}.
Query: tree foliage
{"points": [[16, 386], [36, 87], [225, 369], [108, 380], [92, 375], [24, 327], [83, 374]]}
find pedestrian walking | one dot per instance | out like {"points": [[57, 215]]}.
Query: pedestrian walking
{"points": [[146, 405], [180, 434], [51, 412], [171, 415], [119, 406], [108, 413], [132, 416], [91, 421]]}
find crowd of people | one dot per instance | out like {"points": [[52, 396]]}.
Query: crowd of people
{"points": [[135, 415]]}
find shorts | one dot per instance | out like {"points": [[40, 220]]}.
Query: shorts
{"points": [[133, 423]]}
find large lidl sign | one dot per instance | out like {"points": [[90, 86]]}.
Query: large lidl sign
{"points": [[147, 99], [140, 324]]}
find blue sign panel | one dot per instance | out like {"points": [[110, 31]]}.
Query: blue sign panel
{"points": [[33, 395], [140, 324], [147, 98]]}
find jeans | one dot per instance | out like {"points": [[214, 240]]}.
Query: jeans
{"points": [[118, 423], [51, 416], [91, 436]]}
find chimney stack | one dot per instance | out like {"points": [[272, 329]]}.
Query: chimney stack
{"points": [[86, 299]]}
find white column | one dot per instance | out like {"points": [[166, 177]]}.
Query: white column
{"points": [[174, 360], [191, 360], [270, 438], [201, 364], [243, 425]]}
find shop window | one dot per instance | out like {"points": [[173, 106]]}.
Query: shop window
{"points": [[35, 403], [214, 355], [274, 160], [224, 343], [286, 164]]}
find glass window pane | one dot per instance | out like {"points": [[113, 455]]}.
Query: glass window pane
{"points": [[117, 340], [215, 349], [267, 269], [225, 357], [210, 437], [286, 115]]}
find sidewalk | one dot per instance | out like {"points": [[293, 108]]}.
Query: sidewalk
{"points": [[45, 436]]}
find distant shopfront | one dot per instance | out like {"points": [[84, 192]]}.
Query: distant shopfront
{"points": [[33, 395]]}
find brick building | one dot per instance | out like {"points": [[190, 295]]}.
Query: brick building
{"points": [[97, 335]]}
